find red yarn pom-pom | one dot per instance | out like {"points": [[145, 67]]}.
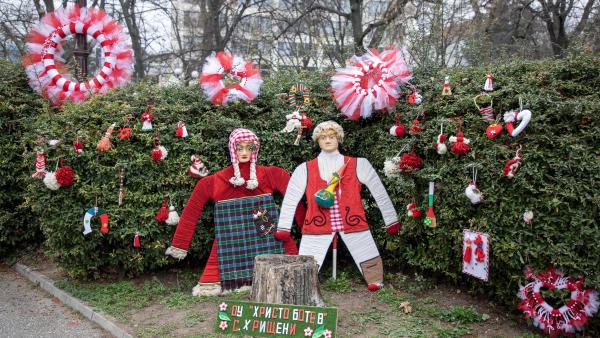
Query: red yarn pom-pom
{"points": [[410, 162], [156, 154], [64, 176]]}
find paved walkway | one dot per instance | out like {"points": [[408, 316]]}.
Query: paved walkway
{"points": [[28, 311]]}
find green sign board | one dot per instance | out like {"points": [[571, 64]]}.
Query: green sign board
{"points": [[275, 320]]}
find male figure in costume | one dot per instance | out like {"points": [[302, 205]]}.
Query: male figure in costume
{"points": [[345, 215], [243, 206]]}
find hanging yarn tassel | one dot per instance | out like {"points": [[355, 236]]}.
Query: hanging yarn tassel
{"points": [[136, 240], [78, 147], [460, 144], [511, 166], [467, 256], [488, 86], [173, 218], [50, 181], [163, 213], [440, 144], [398, 130], [479, 254], [64, 175], [181, 130], [104, 143], [446, 90]]}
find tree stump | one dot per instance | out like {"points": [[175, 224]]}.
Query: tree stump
{"points": [[284, 279]]}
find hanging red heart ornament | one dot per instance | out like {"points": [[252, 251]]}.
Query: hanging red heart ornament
{"points": [[493, 131]]}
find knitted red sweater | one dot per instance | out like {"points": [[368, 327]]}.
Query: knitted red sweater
{"points": [[217, 187]]}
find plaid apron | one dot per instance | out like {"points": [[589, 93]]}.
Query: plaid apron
{"points": [[241, 236]]}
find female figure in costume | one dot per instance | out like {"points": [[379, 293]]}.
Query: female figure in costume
{"points": [[244, 211], [339, 211]]}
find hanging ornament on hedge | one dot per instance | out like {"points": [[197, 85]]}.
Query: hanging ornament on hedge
{"points": [[121, 182], [487, 111], [181, 130], [510, 117], [567, 319], [147, 118], [369, 82], [136, 240], [440, 143], [162, 214], [512, 165], [414, 98], [40, 161], [476, 249], [528, 216], [398, 130], [227, 77], [494, 129], [459, 143], [391, 166], [416, 126], [472, 192], [95, 212], [410, 162], [488, 86], [78, 146], [47, 74], [125, 131], [158, 152], [413, 211], [197, 169], [64, 175], [430, 216], [104, 143], [446, 90], [50, 181], [173, 218]]}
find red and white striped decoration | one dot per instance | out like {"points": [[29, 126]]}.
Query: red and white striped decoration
{"points": [[370, 82], [45, 68], [487, 113], [227, 77]]}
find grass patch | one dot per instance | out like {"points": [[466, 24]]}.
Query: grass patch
{"points": [[372, 317], [342, 284], [155, 331], [450, 332], [180, 300], [115, 299], [458, 314], [194, 318], [406, 326]]}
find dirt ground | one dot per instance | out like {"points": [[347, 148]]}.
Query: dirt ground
{"points": [[435, 310]]}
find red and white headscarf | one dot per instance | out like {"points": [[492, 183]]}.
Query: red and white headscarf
{"points": [[237, 136]]}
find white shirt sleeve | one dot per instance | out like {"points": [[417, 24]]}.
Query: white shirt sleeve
{"points": [[368, 176], [293, 194]]}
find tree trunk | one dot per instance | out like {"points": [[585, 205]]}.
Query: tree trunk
{"points": [[284, 279]]}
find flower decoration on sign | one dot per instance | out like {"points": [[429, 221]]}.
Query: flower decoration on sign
{"points": [[222, 307], [308, 332], [370, 82], [46, 70], [223, 325], [227, 77]]}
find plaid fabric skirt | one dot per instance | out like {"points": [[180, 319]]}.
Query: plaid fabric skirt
{"points": [[244, 229]]}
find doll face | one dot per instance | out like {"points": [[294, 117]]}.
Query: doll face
{"points": [[328, 141], [243, 151]]}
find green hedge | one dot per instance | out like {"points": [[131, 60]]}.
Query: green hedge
{"points": [[559, 180], [18, 104]]}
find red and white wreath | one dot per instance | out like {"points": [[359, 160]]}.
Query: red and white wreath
{"points": [[370, 82], [45, 67], [570, 317], [227, 77]]}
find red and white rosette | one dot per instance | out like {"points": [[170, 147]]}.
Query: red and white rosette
{"points": [[567, 319], [226, 77], [370, 82], [45, 68]]}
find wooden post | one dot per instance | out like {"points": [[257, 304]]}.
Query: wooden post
{"points": [[81, 48], [284, 279]]}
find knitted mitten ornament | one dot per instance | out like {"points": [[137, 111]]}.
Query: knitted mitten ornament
{"points": [[393, 228]]}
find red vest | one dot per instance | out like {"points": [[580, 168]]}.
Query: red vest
{"points": [[317, 221]]}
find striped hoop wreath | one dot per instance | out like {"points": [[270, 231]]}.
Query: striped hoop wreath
{"points": [[227, 77], [45, 68], [370, 82], [567, 319], [299, 88]]}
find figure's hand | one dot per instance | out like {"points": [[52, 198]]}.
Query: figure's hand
{"points": [[393, 228], [283, 235], [176, 252]]}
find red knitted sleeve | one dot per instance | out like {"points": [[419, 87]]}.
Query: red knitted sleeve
{"points": [[191, 213], [279, 180]]}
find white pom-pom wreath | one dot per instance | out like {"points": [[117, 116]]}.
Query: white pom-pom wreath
{"points": [[227, 77], [45, 67], [370, 82], [50, 181]]}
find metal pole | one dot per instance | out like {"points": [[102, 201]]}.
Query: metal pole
{"points": [[81, 48]]}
